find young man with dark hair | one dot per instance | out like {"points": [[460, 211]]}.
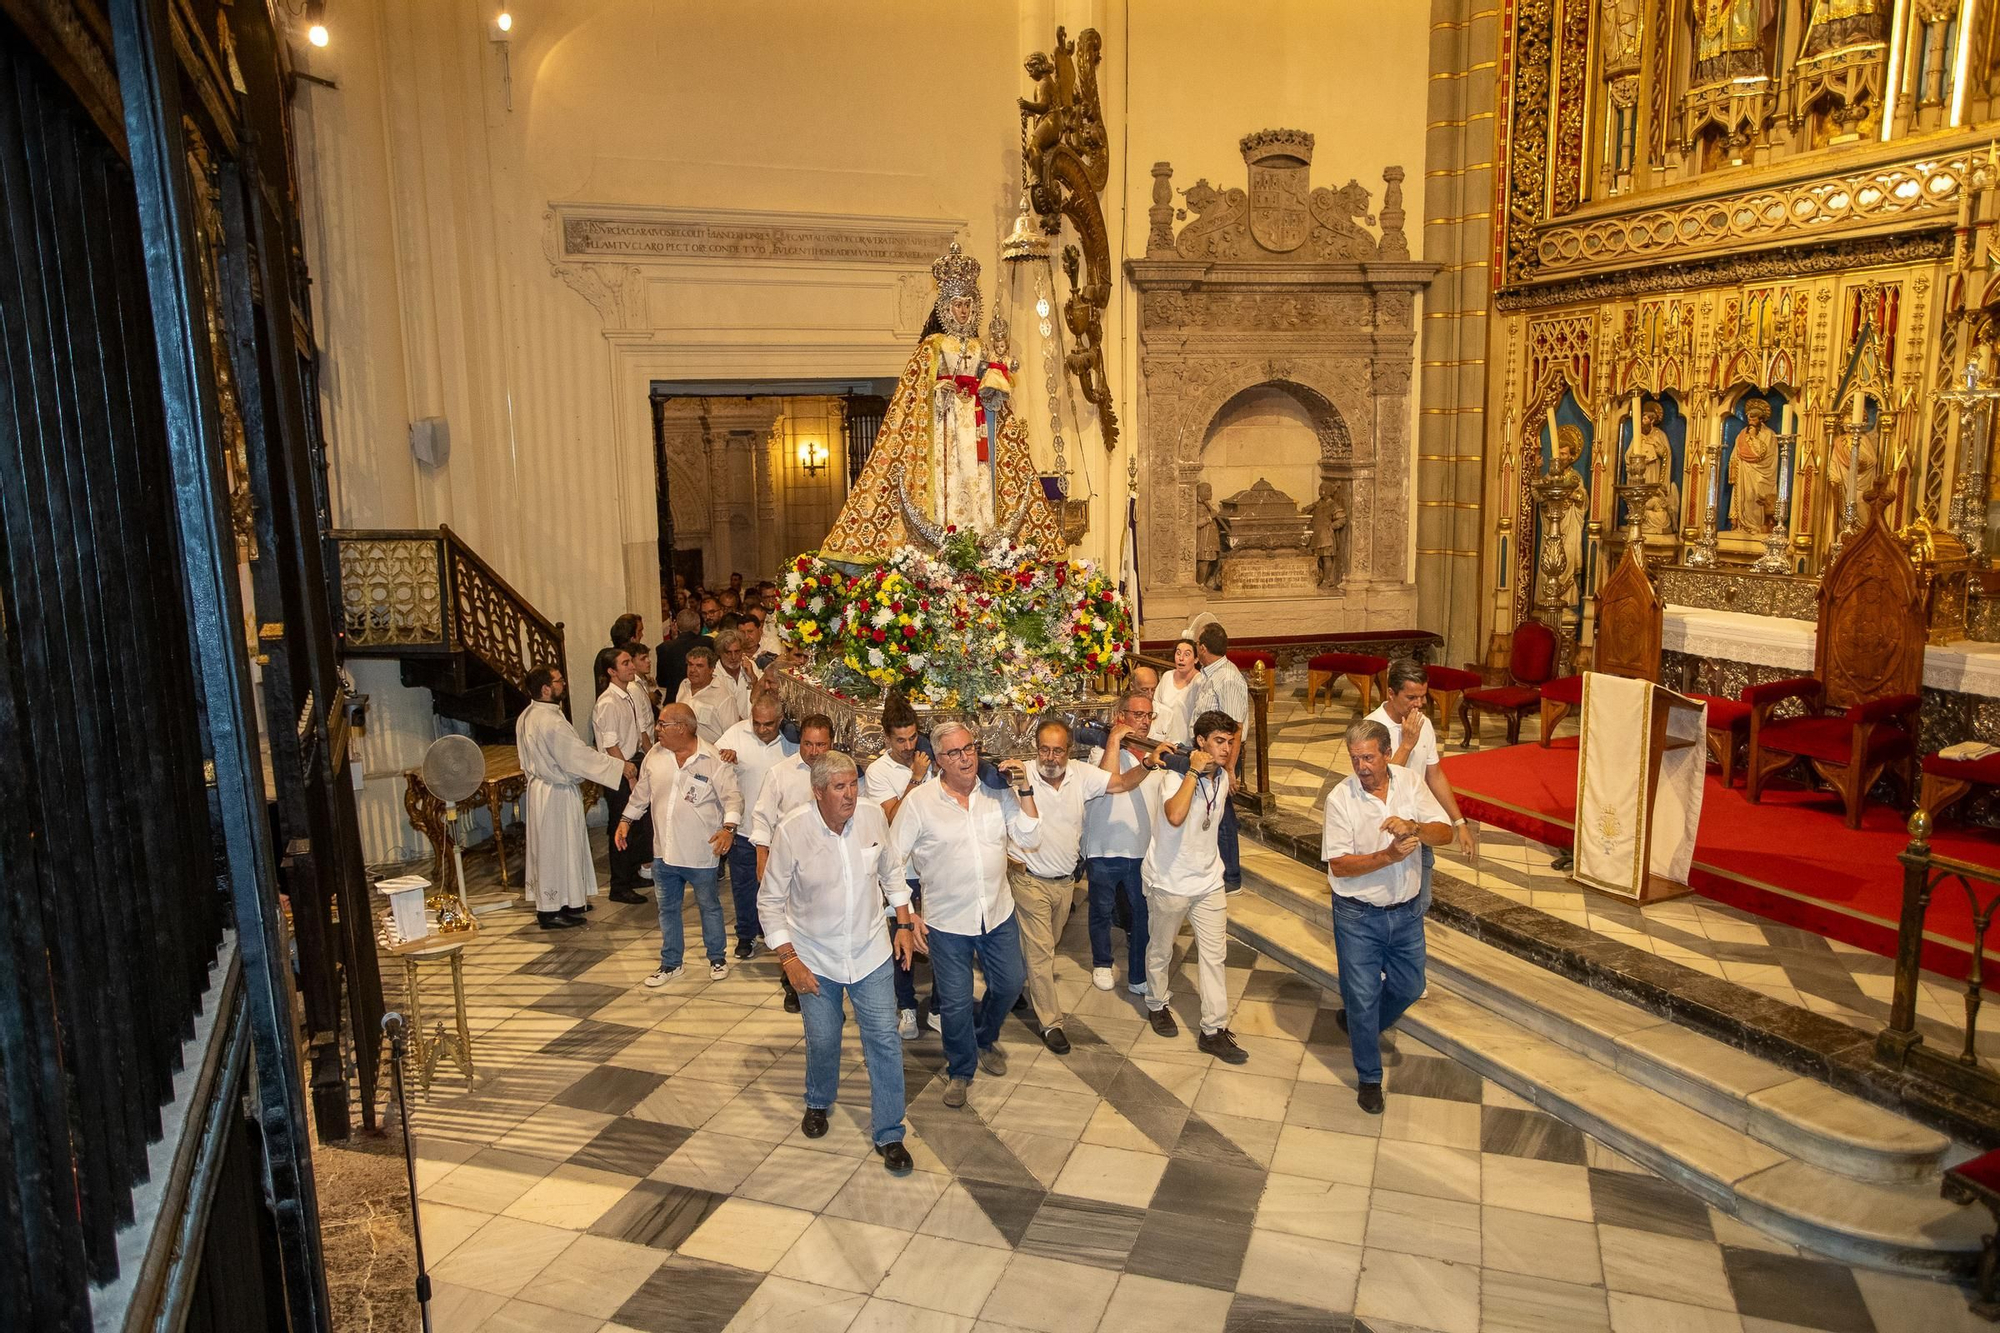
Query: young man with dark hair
{"points": [[626, 628], [621, 732], [1374, 820], [1220, 687], [1183, 874], [893, 775], [1414, 746], [1116, 833]]}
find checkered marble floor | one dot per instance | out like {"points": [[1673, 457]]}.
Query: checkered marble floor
{"points": [[1802, 969], [631, 1160]]}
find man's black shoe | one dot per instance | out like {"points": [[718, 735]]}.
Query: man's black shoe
{"points": [[814, 1123], [1229, 888], [791, 1000], [1563, 861], [556, 921], [1021, 1003], [1222, 1045], [1340, 1019], [574, 915], [628, 896], [746, 948], [1056, 1041], [1369, 1098], [896, 1157], [1163, 1022]]}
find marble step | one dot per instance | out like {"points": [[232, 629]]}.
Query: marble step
{"points": [[1797, 1115], [1899, 1226]]}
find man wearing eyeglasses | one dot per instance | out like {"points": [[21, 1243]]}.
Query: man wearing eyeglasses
{"points": [[952, 836], [1043, 876], [1116, 831]]}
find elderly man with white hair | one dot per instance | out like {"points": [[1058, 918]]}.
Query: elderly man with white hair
{"points": [[696, 807], [952, 835], [821, 903]]}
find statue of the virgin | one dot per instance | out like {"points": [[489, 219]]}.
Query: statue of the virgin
{"points": [[951, 454]]}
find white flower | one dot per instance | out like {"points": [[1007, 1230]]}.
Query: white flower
{"points": [[1097, 624], [918, 660], [874, 657], [793, 580], [883, 615], [816, 605]]}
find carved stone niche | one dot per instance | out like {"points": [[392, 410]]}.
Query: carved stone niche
{"points": [[1284, 286]]}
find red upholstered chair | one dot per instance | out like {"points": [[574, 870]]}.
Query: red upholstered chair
{"points": [[1728, 723], [1558, 697], [1446, 684], [1861, 701], [1946, 781], [1531, 662], [1364, 669], [1248, 658]]}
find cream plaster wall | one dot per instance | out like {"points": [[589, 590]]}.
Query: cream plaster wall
{"points": [[428, 199]]}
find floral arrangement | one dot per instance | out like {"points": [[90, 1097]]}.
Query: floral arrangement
{"points": [[969, 624]]}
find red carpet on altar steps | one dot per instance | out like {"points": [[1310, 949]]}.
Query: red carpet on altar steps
{"points": [[1790, 859]]}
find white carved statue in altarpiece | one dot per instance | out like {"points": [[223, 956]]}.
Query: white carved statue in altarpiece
{"points": [[950, 453]]}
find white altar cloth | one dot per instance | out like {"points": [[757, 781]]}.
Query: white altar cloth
{"points": [[1967, 666]]}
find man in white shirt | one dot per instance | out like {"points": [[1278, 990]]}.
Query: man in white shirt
{"points": [[1416, 748], [717, 706], [1043, 876], [1220, 687], [560, 877], [823, 900], [952, 835], [1374, 820], [1183, 875], [1116, 833], [787, 785], [697, 808], [734, 668], [899, 769], [753, 746], [621, 733]]}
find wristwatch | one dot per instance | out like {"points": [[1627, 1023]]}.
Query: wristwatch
{"points": [[902, 925]]}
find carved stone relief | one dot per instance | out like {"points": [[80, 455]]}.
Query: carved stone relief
{"points": [[1279, 285]]}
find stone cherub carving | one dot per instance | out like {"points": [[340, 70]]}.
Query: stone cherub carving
{"points": [[1329, 534], [1211, 537]]}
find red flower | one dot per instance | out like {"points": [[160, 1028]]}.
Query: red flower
{"points": [[1090, 659], [925, 604], [1105, 596], [802, 564], [897, 607], [909, 631], [878, 635]]}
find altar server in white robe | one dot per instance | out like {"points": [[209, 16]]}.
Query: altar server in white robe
{"points": [[560, 877]]}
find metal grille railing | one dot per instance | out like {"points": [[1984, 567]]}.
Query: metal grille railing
{"points": [[1901, 1043]]}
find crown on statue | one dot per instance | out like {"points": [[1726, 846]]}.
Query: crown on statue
{"points": [[1264, 144], [956, 273]]}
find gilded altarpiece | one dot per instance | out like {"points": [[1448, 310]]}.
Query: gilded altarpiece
{"points": [[1699, 205], [1308, 291]]}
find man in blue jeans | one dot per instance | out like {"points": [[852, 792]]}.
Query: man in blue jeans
{"points": [[696, 807], [821, 904], [952, 835], [1375, 821], [754, 747], [1116, 831]]}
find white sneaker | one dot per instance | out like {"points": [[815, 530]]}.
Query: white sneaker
{"points": [[662, 977], [717, 971], [646, 872], [1100, 977], [906, 1025]]}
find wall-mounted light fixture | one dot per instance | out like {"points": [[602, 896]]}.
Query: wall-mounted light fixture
{"points": [[812, 456], [498, 31], [316, 23]]}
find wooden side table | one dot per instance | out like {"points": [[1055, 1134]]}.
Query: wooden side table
{"points": [[427, 1048]]}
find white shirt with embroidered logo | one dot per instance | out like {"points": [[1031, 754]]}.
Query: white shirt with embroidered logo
{"points": [[689, 803], [823, 892], [1354, 828], [1061, 812], [959, 854]]}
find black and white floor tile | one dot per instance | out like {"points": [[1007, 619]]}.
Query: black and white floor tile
{"points": [[632, 1160]]}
